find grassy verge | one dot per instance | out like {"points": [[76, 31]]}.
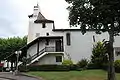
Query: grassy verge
{"points": [[74, 75]]}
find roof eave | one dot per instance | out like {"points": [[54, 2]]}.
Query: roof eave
{"points": [[44, 21]]}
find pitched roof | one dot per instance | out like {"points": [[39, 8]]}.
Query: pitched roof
{"points": [[41, 17]]}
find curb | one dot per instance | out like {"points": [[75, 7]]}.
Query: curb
{"points": [[24, 74], [8, 78]]}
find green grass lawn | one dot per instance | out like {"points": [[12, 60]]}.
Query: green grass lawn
{"points": [[73, 75]]}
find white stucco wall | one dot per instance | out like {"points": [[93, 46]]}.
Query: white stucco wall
{"points": [[32, 50], [37, 28], [50, 58], [117, 41], [117, 57], [81, 45]]}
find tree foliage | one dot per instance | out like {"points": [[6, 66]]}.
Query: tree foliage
{"points": [[8, 46], [99, 15], [99, 56]]}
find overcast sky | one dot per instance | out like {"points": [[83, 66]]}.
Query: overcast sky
{"points": [[14, 15]]}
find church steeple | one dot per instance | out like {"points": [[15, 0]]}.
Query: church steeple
{"points": [[36, 10], [37, 13]]}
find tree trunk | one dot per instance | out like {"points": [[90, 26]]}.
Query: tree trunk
{"points": [[111, 69]]}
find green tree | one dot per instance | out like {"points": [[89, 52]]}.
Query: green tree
{"points": [[98, 15], [8, 46], [99, 56]]}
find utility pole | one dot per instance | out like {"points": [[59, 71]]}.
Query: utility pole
{"points": [[17, 61]]}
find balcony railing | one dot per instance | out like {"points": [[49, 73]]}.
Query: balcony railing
{"points": [[54, 49]]}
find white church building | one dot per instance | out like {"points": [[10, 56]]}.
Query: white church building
{"points": [[48, 45]]}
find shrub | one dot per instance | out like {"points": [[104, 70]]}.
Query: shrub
{"points": [[117, 66], [91, 66], [99, 57], [67, 62], [74, 67], [23, 68], [83, 63]]}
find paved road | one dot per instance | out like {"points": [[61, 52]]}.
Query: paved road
{"points": [[4, 79], [10, 76]]}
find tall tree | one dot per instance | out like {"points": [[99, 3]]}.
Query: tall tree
{"points": [[98, 15]]}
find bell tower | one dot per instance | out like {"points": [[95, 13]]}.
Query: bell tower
{"points": [[38, 25], [32, 18]]}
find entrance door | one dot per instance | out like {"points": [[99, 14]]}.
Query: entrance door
{"points": [[58, 45]]}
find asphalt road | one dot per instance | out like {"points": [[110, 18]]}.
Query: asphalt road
{"points": [[10, 76], [4, 79]]}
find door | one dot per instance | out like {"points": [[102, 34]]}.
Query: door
{"points": [[58, 45]]}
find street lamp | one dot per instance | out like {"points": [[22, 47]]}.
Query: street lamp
{"points": [[17, 53]]}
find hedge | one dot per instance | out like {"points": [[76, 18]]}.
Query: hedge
{"points": [[0, 69], [49, 68], [46, 68]]}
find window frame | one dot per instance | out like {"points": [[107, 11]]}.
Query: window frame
{"points": [[58, 58]]}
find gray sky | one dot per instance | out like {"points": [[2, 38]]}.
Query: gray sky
{"points": [[14, 15]]}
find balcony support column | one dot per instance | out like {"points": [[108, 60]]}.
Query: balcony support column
{"points": [[62, 45], [38, 47]]}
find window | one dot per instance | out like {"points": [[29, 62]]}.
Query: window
{"points": [[117, 53], [35, 6], [37, 34], [47, 42], [34, 15], [47, 34], [68, 39], [93, 38], [43, 25], [35, 9], [58, 58]]}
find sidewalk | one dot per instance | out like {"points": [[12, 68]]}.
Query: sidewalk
{"points": [[10, 76]]}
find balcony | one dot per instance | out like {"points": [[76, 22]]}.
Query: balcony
{"points": [[54, 49]]}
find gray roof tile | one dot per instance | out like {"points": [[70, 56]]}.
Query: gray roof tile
{"points": [[41, 17]]}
